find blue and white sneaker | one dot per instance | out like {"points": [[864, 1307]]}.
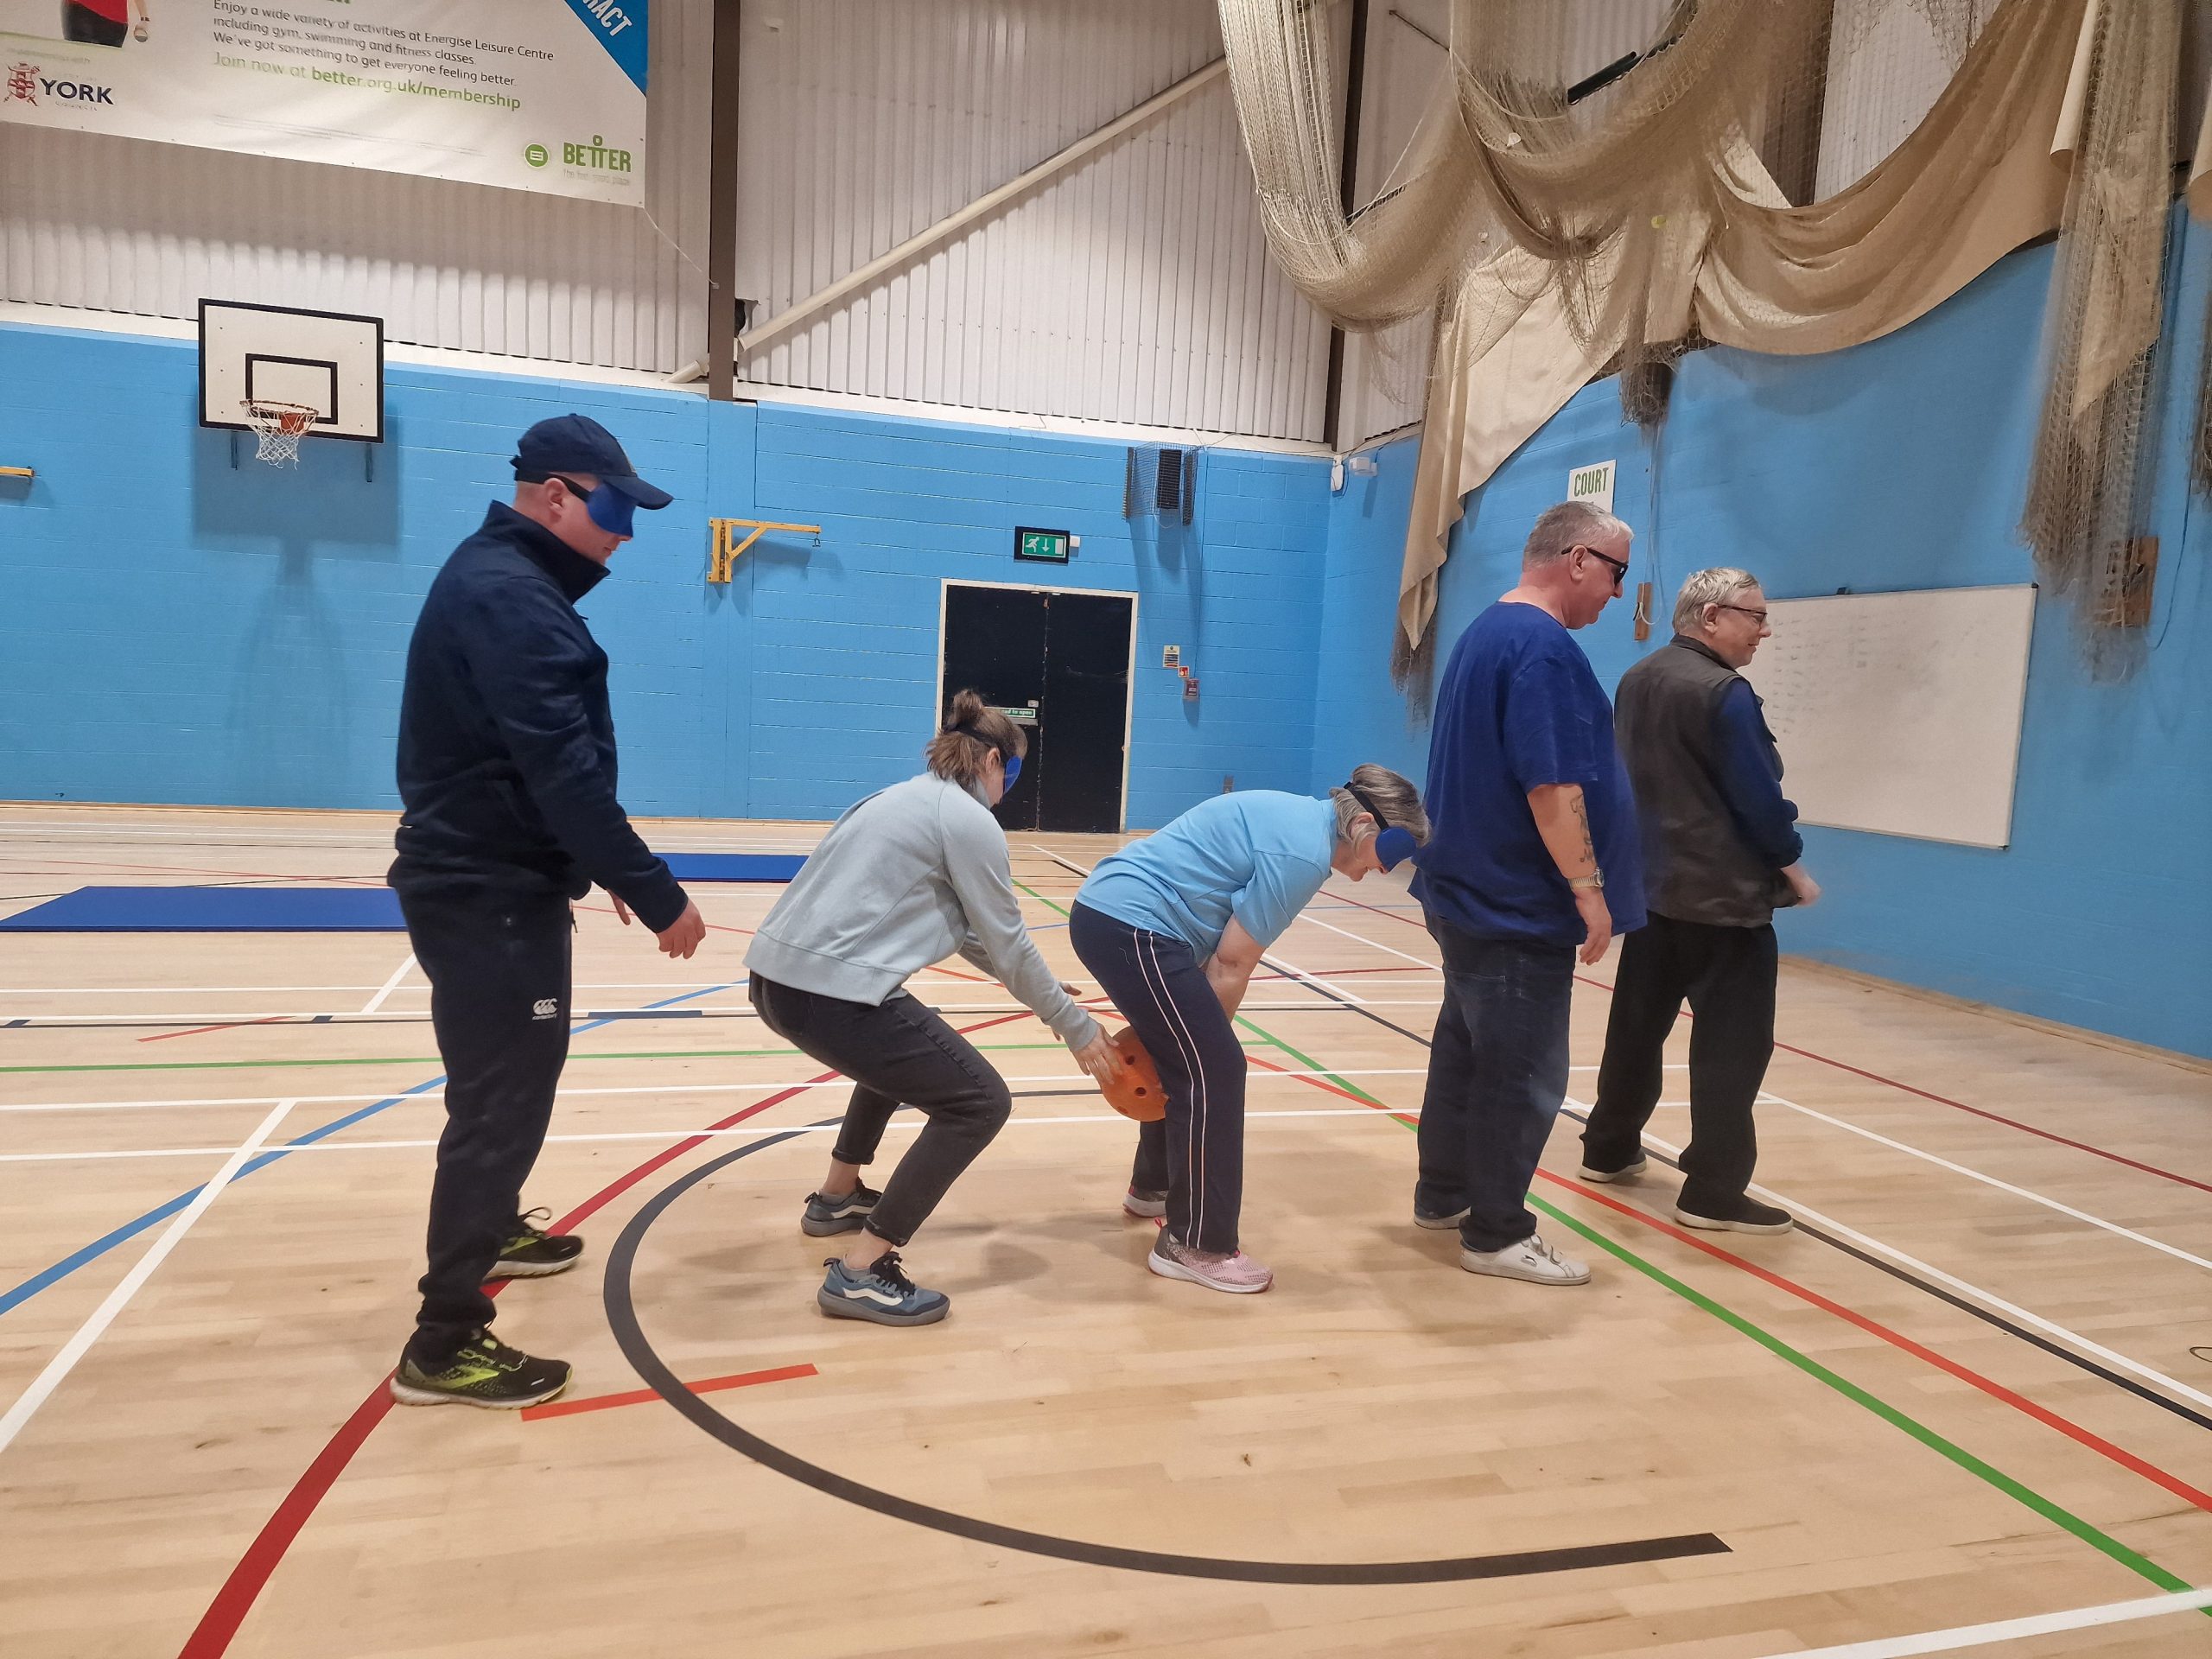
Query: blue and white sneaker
{"points": [[883, 1294], [844, 1214]]}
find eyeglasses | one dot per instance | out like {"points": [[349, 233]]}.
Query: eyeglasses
{"points": [[1741, 610], [1619, 567]]}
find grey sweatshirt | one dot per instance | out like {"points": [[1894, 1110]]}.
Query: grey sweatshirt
{"points": [[906, 878]]}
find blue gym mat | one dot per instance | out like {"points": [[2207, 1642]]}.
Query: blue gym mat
{"points": [[213, 910], [733, 867]]}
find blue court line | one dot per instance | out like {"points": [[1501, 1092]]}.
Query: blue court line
{"points": [[130, 1230]]}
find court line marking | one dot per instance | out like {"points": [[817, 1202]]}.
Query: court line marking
{"points": [[214, 1021], [43, 1386], [640, 1396], [46, 1277], [234, 1599], [1412, 1118], [2008, 1629], [389, 986], [1990, 1180], [1824, 1230], [587, 1136], [591, 1092], [1989, 1298], [1892, 1083], [2141, 1565]]}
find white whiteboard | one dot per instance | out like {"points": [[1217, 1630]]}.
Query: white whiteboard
{"points": [[1900, 713]]}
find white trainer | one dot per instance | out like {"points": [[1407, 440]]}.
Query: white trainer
{"points": [[1627, 1173], [1531, 1259]]}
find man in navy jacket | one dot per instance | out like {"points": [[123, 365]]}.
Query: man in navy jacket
{"points": [[506, 781]]}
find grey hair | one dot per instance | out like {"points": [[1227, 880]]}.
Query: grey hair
{"points": [[1571, 523], [1703, 587], [1394, 797]]}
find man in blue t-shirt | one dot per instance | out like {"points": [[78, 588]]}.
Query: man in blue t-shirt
{"points": [[1533, 859]]}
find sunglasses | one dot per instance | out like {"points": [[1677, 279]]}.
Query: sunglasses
{"points": [[1619, 567]]}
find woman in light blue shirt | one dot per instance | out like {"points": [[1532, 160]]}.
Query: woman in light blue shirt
{"points": [[1172, 926]]}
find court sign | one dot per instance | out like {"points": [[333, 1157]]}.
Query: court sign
{"points": [[544, 95]]}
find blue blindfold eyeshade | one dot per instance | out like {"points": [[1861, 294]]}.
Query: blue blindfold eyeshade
{"points": [[1393, 846]]}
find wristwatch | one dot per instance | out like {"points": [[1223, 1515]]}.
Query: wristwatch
{"points": [[1593, 883]]}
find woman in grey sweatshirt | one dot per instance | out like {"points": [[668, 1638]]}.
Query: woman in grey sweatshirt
{"points": [[906, 877]]}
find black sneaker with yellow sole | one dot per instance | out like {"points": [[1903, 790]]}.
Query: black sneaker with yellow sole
{"points": [[531, 1253], [484, 1372]]}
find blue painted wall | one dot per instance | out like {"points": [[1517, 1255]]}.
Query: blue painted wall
{"points": [[1899, 464], [178, 630]]}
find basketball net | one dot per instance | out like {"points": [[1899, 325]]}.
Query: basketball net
{"points": [[278, 426]]}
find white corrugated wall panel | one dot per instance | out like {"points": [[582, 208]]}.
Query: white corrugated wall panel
{"points": [[1385, 374], [1887, 66], [1134, 287], [123, 225]]}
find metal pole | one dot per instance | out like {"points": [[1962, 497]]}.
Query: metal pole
{"points": [[722, 204], [1347, 185]]}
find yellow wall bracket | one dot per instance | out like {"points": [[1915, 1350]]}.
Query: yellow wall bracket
{"points": [[727, 548]]}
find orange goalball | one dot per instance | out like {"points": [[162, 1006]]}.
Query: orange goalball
{"points": [[1137, 1093]]}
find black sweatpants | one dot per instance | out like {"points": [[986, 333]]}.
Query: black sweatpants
{"points": [[1196, 1153], [898, 1053], [499, 967], [1727, 974]]}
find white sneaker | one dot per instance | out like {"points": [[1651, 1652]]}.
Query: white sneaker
{"points": [[1531, 1259], [1628, 1173]]}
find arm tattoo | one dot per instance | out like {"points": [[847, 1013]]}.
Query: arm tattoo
{"points": [[1582, 817]]}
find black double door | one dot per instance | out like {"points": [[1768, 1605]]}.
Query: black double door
{"points": [[1058, 664]]}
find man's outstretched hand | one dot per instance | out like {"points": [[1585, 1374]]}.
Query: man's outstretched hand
{"points": [[681, 936]]}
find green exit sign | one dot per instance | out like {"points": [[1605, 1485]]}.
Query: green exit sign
{"points": [[1044, 546]]}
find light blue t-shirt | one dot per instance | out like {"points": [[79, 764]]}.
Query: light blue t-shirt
{"points": [[1259, 855]]}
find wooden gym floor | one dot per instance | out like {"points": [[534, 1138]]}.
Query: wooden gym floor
{"points": [[1963, 1397]]}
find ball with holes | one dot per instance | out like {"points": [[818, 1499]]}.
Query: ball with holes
{"points": [[1136, 1093]]}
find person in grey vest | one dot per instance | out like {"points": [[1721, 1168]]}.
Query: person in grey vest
{"points": [[1721, 854]]}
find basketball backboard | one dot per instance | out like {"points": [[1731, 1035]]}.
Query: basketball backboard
{"points": [[326, 359]]}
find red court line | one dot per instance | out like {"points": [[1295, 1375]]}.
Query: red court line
{"points": [[1999, 1117], [211, 1637], [1996, 1390], [1906, 1088], [227, 1025], [640, 1396], [2096, 1442]]}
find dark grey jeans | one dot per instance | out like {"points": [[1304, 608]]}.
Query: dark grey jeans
{"points": [[1496, 1078], [898, 1054]]}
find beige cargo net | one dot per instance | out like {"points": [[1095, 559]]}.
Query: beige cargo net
{"points": [[1556, 229]]}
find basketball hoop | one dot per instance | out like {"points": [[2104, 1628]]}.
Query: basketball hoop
{"points": [[278, 426]]}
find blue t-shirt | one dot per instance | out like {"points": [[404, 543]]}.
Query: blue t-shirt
{"points": [[1519, 707], [1259, 855]]}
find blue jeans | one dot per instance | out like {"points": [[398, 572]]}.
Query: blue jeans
{"points": [[1496, 1077]]}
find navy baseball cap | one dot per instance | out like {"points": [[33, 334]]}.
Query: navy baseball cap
{"points": [[577, 443]]}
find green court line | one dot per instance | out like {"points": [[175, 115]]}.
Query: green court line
{"points": [[2140, 1565], [1041, 898]]}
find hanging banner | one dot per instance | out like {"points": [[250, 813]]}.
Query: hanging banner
{"points": [[546, 95]]}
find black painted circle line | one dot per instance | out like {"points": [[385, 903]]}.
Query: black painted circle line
{"points": [[622, 1316]]}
